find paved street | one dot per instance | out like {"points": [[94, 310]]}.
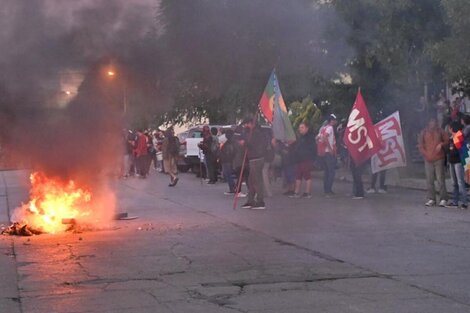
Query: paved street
{"points": [[189, 251]]}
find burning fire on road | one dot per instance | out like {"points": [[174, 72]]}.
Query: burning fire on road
{"points": [[57, 205]]}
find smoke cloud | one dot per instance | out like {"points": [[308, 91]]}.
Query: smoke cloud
{"points": [[48, 44], [52, 50]]}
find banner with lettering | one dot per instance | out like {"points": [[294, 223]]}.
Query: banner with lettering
{"points": [[360, 137], [392, 154]]}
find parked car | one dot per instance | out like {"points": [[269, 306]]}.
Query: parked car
{"points": [[181, 163], [193, 156]]}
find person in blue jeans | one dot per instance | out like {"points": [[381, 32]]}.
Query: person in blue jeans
{"points": [[457, 171]]}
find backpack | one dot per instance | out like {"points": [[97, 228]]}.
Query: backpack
{"points": [[321, 142]]}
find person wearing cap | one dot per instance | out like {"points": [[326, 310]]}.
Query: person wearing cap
{"points": [[326, 150], [256, 143]]}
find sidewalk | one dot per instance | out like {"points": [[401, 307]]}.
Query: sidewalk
{"points": [[393, 179], [9, 295]]}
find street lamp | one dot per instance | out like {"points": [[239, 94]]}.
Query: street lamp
{"points": [[111, 74]]}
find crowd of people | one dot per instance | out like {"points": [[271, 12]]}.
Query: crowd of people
{"points": [[442, 148], [248, 156], [251, 156], [144, 148], [442, 144]]}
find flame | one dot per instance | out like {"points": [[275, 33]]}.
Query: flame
{"points": [[52, 200]]}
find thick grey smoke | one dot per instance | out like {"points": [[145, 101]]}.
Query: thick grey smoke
{"points": [[225, 50], [46, 44], [160, 49]]}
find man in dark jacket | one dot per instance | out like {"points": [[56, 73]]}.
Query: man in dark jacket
{"points": [[457, 172], [170, 151], [256, 144], [304, 155], [208, 146], [228, 153]]}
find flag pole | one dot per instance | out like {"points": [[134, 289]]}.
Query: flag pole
{"points": [[240, 177]]}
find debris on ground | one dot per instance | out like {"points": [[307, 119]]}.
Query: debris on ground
{"points": [[17, 229], [146, 226]]}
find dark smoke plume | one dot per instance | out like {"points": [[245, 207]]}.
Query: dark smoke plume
{"points": [[162, 50], [43, 42]]}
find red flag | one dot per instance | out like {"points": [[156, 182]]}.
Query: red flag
{"points": [[360, 137]]}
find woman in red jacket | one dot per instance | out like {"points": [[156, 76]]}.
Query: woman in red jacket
{"points": [[141, 154]]}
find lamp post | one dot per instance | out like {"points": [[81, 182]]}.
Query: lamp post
{"points": [[111, 74]]}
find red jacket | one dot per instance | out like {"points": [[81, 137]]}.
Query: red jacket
{"points": [[141, 146]]}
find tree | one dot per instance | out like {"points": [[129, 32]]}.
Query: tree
{"points": [[453, 51], [222, 52], [305, 112], [391, 39]]}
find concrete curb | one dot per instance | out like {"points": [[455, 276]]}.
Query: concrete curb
{"points": [[392, 180]]}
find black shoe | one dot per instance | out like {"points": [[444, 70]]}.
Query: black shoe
{"points": [[211, 182], [289, 193], [259, 206], [247, 206], [173, 182], [452, 205]]}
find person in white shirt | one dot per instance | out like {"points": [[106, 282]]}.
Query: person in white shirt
{"points": [[326, 147]]}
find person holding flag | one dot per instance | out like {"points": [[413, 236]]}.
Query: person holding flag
{"points": [[362, 142], [274, 110], [256, 144], [392, 153]]}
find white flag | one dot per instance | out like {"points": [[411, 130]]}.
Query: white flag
{"points": [[392, 154]]}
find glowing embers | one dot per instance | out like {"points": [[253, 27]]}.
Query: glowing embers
{"points": [[53, 200]]}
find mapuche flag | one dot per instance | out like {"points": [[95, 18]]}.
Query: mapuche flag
{"points": [[462, 145], [274, 110], [360, 137]]}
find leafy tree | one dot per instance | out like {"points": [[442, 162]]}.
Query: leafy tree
{"points": [[453, 51], [391, 39], [222, 52], [305, 112]]}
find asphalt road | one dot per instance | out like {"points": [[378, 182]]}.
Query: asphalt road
{"points": [[189, 251]]}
